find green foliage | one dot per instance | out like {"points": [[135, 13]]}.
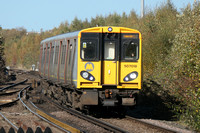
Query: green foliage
{"points": [[179, 72], [76, 24], [157, 29], [186, 50], [19, 44]]}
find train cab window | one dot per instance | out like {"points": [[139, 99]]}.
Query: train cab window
{"points": [[89, 50], [130, 50]]}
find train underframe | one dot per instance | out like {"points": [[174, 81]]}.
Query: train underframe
{"points": [[82, 99]]}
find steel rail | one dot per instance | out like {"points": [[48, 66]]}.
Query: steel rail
{"points": [[90, 119], [14, 101], [4, 104], [20, 93], [13, 125], [52, 118], [152, 125], [7, 87]]}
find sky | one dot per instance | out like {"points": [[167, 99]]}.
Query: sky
{"points": [[35, 15]]}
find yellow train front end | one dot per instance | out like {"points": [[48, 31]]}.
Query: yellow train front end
{"points": [[109, 71]]}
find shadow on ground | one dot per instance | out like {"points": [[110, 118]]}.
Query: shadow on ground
{"points": [[153, 103]]}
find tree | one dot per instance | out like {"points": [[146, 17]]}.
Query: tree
{"points": [[76, 24], [2, 60]]}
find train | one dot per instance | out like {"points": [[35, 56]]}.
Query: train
{"points": [[98, 66]]}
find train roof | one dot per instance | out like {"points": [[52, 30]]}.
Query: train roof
{"points": [[61, 36], [93, 29]]}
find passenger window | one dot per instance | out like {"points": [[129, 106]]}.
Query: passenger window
{"points": [[52, 52], [71, 46], [63, 54], [89, 50]]}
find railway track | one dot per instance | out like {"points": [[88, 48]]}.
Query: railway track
{"points": [[13, 85], [88, 118], [136, 126], [17, 124], [7, 93], [162, 129], [112, 127], [4, 91], [48, 118]]}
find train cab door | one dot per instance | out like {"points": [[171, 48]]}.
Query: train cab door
{"points": [[109, 62]]}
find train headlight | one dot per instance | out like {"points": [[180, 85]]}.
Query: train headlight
{"points": [[126, 79], [110, 29], [131, 76], [86, 75], [91, 78]]}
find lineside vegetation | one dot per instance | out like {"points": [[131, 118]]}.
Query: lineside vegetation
{"points": [[2, 59]]}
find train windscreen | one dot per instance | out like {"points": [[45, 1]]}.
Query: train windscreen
{"points": [[89, 50], [90, 46], [130, 47]]}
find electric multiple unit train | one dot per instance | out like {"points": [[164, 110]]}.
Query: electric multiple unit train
{"points": [[100, 66]]}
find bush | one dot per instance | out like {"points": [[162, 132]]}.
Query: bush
{"points": [[180, 71], [157, 29]]}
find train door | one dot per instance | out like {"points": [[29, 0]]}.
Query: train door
{"points": [[62, 60], [40, 65], [110, 60], [51, 61], [69, 60], [56, 60]]}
